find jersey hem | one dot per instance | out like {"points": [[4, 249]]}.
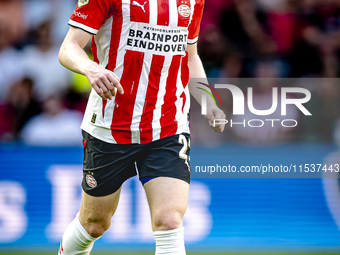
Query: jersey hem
{"points": [[87, 29], [100, 133], [105, 134], [193, 41]]}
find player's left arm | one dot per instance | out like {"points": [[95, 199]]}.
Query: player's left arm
{"points": [[196, 71]]}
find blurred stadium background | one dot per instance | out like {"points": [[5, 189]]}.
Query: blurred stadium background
{"points": [[40, 174]]}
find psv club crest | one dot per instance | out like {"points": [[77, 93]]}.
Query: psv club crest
{"points": [[83, 2], [91, 181], [184, 10]]}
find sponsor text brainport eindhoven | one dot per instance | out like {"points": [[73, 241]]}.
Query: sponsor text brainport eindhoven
{"points": [[158, 39]]}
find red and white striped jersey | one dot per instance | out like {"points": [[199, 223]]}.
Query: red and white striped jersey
{"points": [[144, 43]]}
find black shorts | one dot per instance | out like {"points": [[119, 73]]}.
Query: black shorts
{"points": [[107, 166]]}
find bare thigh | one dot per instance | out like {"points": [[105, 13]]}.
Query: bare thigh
{"points": [[167, 198], [96, 212]]}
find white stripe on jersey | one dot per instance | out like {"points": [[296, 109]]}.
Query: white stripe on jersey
{"points": [[179, 102], [181, 117], [82, 26], [187, 102], [173, 13], [143, 82], [156, 124], [103, 38], [153, 13], [140, 99]]}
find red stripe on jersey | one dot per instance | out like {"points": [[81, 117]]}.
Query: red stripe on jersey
{"points": [[194, 26], [168, 121], [117, 24], [184, 97], [163, 12], [183, 9], [185, 70], [124, 104], [139, 11], [146, 135], [103, 108]]}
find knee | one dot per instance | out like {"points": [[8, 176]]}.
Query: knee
{"points": [[167, 220], [96, 227]]}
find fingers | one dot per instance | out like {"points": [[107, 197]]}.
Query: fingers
{"points": [[218, 114], [115, 82], [221, 126], [98, 90], [104, 89], [217, 126], [105, 83], [109, 87]]}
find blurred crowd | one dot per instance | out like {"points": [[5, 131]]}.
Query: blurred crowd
{"points": [[300, 37], [41, 102]]}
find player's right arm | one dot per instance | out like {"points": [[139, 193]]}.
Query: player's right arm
{"points": [[73, 57]]}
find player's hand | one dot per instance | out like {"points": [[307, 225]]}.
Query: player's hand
{"points": [[215, 113], [103, 81]]}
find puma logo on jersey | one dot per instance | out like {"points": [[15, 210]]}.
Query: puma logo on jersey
{"points": [[139, 5]]}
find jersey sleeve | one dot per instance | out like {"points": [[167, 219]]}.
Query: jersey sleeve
{"points": [[89, 15], [194, 27]]}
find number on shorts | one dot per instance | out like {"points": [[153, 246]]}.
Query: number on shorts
{"points": [[186, 144]]}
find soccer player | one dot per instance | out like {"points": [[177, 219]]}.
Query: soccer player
{"points": [[136, 118]]}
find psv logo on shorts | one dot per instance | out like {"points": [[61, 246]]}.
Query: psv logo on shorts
{"points": [[91, 181], [83, 2]]}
